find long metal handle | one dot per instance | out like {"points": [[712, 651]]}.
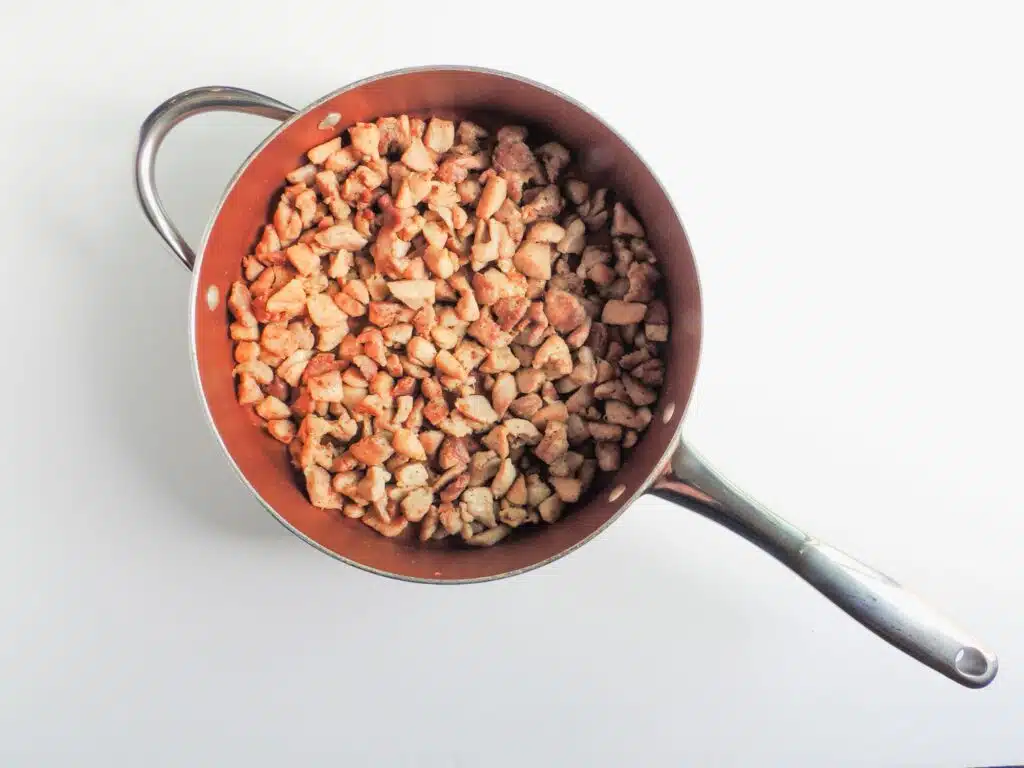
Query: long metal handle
{"points": [[159, 123], [872, 598]]}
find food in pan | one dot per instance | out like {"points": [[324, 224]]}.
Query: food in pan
{"points": [[448, 326]]}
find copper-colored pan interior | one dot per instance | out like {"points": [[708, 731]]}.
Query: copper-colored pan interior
{"points": [[452, 93]]}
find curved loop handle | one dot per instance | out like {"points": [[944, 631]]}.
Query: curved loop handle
{"points": [[872, 598], [159, 123]]}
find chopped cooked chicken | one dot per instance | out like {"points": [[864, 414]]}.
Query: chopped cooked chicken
{"points": [[448, 328]]}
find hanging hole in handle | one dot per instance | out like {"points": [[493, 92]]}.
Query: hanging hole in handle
{"points": [[971, 662]]}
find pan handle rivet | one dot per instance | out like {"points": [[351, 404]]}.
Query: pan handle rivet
{"points": [[330, 121], [666, 417], [616, 492], [212, 297]]}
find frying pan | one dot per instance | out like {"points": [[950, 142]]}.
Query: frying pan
{"points": [[662, 463]]}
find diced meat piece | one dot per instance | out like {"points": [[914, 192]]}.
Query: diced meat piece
{"points": [[324, 312], [527, 405], [554, 158], [568, 489], [609, 456], [638, 393], [318, 486], [624, 223], [488, 333], [440, 261], [545, 231], [575, 237], [408, 444], [513, 155], [290, 300], [602, 431], [503, 479], [418, 157], [577, 191], [536, 490], [503, 393], [550, 509], [342, 236], [556, 411], [554, 444], [248, 391], [449, 366], [416, 504], [389, 528], [488, 537], [326, 387], [516, 493], [413, 293], [622, 312], [509, 311], [533, 259], [643, 279], [477, 408], [564, 311], [480, 505], [372, 450], [554, 357], [440, 135], [318, 154], [492, 197], [546, 204]]}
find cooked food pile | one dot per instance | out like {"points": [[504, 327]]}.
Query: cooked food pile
{"points": [[449, 328]]}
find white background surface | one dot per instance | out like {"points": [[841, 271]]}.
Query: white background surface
{"points": [[852, 185]]}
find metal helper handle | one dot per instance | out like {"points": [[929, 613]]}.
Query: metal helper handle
{"points": [[161, 120], [872, 598]]}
